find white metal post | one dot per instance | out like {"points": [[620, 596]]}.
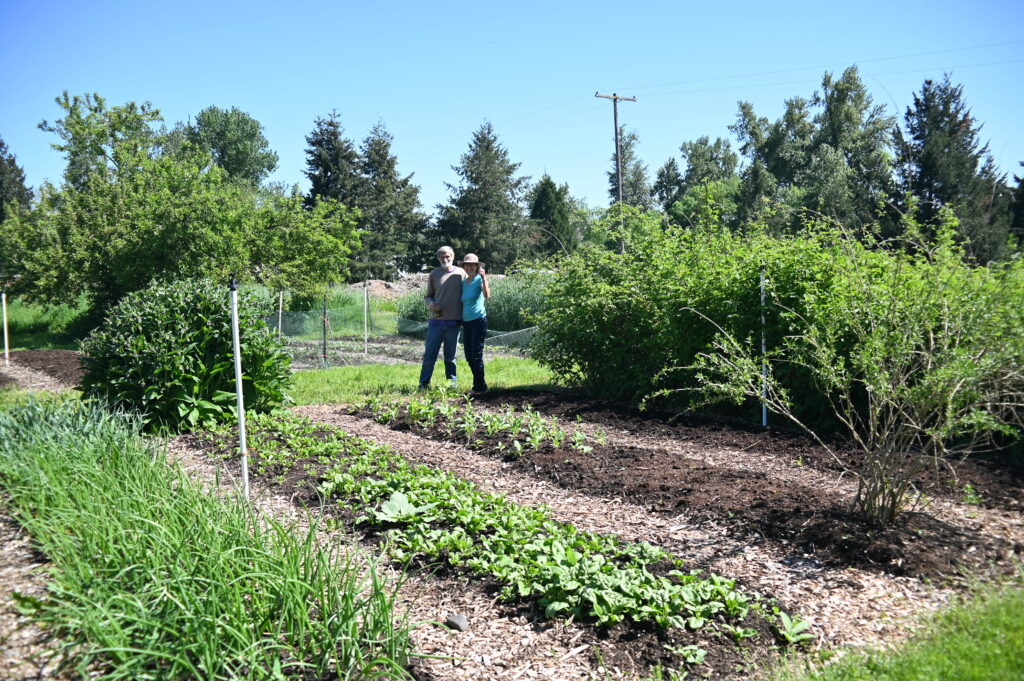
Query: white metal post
{"points": [[764, 362], [238, 388], [7, 346], [280, 310], [366, 319]]}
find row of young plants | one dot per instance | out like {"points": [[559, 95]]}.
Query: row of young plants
{"points": [[425, 516], [509, 431], [152, 577]]}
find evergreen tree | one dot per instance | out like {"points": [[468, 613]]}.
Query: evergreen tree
{"points": [[636, 189], [551, 210], [668, 185], [942, 162], [484, 214], [332, 163], [13, 192], [236, 142], [1017, 219], [390, 212]]}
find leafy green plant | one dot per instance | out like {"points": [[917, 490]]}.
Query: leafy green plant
{"points": [[166, 352], [971, 495], [794, 629]]}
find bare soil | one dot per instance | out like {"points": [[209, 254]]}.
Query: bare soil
{"points": [[62, 365]]}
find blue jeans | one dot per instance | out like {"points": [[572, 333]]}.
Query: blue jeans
{"points": [[473, 334], [436, 336]]}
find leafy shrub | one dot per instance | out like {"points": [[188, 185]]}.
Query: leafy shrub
{"points": [[166, 351], [618, 325]]}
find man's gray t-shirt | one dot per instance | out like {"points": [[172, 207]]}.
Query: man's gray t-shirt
{"points": [[445, 289]]}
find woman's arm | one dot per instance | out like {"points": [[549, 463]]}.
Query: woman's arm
{"points": [[483, 281]]}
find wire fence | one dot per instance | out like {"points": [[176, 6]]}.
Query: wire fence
{"points": [[368, 333]]}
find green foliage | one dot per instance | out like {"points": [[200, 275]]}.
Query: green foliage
{"points": [[484, 214], [235, 141], [128, 213], [14, 194], [636, 188], [551, 212], [917, 356], [151, 576], [166, 352], [428, 515]]}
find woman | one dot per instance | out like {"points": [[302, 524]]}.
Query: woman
{"points": [[474, 317]]}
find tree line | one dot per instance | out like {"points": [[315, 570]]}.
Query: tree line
{"points": [[138, 200]]}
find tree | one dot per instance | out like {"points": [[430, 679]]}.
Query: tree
{"points": [[1017, 221], [707, 161], [390, 214], [484, 214], [100, 142], [668, 185], [332, 163], [835, 163], [942, 163], [13, 192], [636, 189], [235, 141], [129, 215], [551, 210]]}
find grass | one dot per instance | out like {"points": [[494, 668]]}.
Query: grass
{"points": [[152, 577], [980, 639], [354, 384], [36, 327]]}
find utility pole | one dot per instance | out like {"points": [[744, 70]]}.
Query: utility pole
{"points": [[618, 156]]}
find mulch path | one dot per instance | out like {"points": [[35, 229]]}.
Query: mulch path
{"points": [[62, 365]]}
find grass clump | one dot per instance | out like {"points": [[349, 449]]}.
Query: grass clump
{"points": [[153, 578]]}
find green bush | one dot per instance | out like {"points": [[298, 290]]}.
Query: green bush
{"points": [[166, 352], [614, 324]]}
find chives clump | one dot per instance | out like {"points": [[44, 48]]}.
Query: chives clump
{"points": [[152, 578]]}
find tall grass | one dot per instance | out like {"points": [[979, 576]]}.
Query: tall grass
{"points": [[153, 578], [33, 327]]}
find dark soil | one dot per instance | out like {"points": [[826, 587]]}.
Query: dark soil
{"points": [[60, 364], [810, 522]]}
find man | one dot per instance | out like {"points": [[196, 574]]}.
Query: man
{"points": [[444, 298]]}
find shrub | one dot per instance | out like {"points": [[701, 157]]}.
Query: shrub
{"points": [[166, 352]]}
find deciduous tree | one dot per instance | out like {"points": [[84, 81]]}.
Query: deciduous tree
{"points": [[236, 142]]}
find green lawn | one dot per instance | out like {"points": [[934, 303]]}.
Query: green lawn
{"points": [[353, 384]]}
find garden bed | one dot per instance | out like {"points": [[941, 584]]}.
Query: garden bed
{"points": [[767, 486]]}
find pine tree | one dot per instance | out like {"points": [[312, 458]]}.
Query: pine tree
{"points": [[332, 163], [484, 214], [550, 209], [942, 162], [390, 212], [13, 192]]}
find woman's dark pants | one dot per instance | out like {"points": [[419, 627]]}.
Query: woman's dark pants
{"points": [[473, 334]]}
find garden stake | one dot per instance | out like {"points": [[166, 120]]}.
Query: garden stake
{"points": [[238, 388], [366, 319], [7, 351], [764, 363]]}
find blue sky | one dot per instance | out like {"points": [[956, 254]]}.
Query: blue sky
{"points": [[433, 72]]}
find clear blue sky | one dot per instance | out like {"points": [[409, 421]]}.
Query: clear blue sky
{"points": [[434, 71]]}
